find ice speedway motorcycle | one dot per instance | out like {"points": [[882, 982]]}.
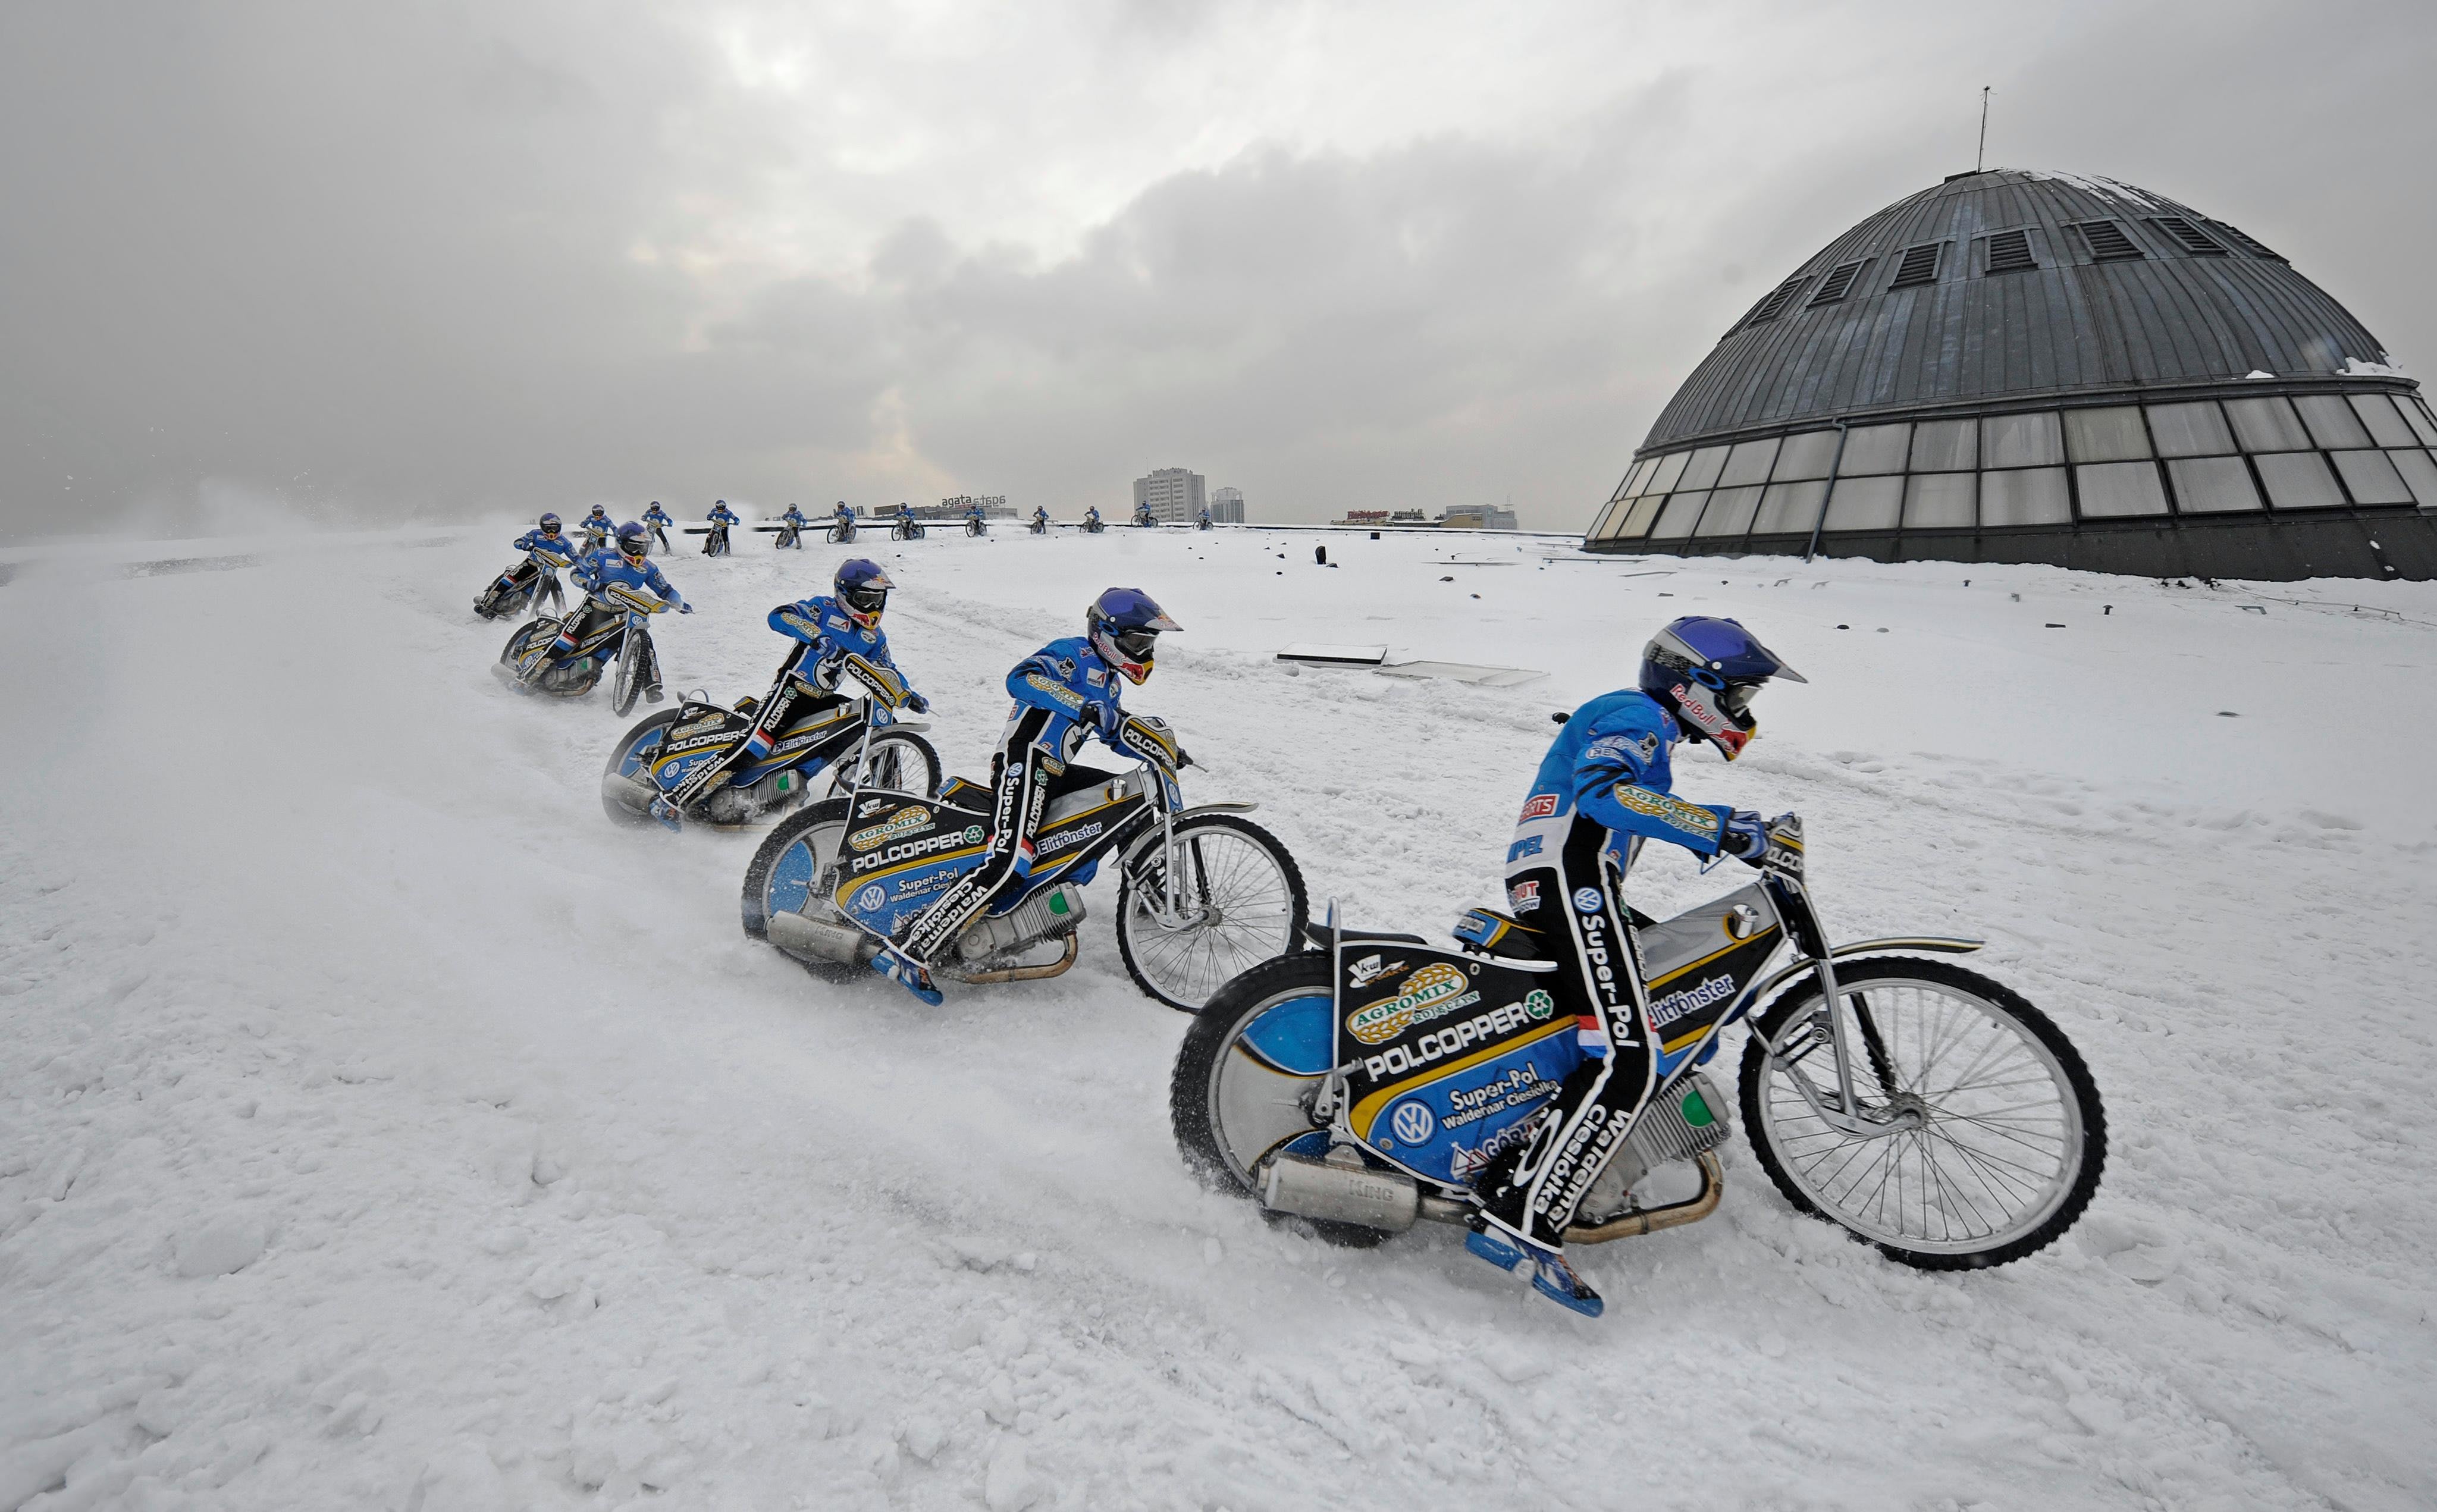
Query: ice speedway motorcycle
{"points": [[841, 530], [1931, 1112], [830, 750], [1202, 893], [975, 525], [625, 633], [904, 528], [788, 533], [524, 585], [717, 544]]}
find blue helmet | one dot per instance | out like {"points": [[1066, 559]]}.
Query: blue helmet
{"points": [[549, 523], [633, 541], [601, 509], [1123, 626], [861, 589], [1705, 671]]}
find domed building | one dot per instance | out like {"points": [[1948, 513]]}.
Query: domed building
{"points": [[2038, 367]]}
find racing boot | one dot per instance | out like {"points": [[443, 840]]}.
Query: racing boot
{"points": [[670, 815], [1553, 1276], [907, 973]]}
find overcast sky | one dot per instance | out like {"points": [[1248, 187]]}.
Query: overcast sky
{"points": [[424, 260]]}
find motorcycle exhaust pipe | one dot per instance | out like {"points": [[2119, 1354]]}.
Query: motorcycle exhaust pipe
{"points": [[809, 936], [1344, 1194], [627, 793]]}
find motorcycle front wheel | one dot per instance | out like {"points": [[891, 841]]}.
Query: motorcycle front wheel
{"points": [[634, 671], [1242, 1088], [1241, 899], [2004, 1136], [896, 760]]}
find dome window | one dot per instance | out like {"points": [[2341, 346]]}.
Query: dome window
{"points": [[1919, 265], [2246, 243], [1839, 282], [2107, 241], [2009, 252], [2188, 237], [1778, 299]]}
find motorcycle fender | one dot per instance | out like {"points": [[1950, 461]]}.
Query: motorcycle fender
{"points": [[1152, 832], [1754, 996]]}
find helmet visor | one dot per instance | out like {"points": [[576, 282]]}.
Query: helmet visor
{"points": [[864, 598]]}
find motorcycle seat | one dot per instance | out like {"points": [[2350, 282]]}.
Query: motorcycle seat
{"points": [[1487, 932], [964, 792], [1323, 938]]}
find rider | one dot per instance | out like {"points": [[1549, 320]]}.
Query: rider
{"points": [[1040, 517], [1092, 517], [721, 516], [794, 519], [845, 517], [1605, 788], [659, 520], [1144, 516], [551, 550], [1065, 693], [905, 517], [624, 566], [836, 634], [976, 517], [596, 527], [1203, 522]]}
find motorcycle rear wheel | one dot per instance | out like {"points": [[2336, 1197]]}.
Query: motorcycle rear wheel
{"points": [[804, 846], [625, 761], [1242, 873], [2015, 1138], [1241, 1089]]}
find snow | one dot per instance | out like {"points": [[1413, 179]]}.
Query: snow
{"points": [[379, 1127]]}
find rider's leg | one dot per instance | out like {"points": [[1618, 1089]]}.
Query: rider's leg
{"points": [[780, 707], [1015, 812], [1530, 1196], [572, 630]]}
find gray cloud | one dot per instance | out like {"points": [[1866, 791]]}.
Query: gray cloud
{"points": [[408, 260]]}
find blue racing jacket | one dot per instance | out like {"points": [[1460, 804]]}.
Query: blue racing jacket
{"points": [[607, 569], [833, 644], [656, 516], [1079, 691], [557, 551], [845, 513], [1611, 764], [722, 516], [795, 516]]}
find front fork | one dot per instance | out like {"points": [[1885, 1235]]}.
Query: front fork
{"points": [[1172, 859], [1842, 1108]]}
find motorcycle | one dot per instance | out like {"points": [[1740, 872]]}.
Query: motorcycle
{"points": [[1202, 892], [976, 526], [717, 544], [596, 534], [1146, 520], [1922, 1108], [841, 532], [789, 535], [1093, 525], [1039, 526], [904, 528], [522, 585], [1203, 523], [807, 761], [623, 632]]}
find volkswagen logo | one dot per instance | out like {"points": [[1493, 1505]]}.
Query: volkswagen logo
{"points": [[1413, 1123]]}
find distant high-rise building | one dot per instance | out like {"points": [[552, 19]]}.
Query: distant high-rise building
{"points": [[1227, 507], [1174, 494]]}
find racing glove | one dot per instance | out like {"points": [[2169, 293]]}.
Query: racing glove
{"points": [[916, 702], [1106, 719], [1745, 838], [684, 607]]}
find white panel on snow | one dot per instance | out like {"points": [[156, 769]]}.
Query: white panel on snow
{"points": [[1465, 672], [1335, 656]]}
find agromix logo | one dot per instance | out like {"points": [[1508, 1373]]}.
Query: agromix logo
{"points": [[1434, 992]]}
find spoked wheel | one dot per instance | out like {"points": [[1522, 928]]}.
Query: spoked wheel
{"points": [[898, 760], [2001, 1136], [788, 875], [1240, 900], [1242, 1088], [634, 664]]}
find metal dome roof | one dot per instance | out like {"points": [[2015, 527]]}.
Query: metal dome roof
{"points": [[2010, 286]]}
